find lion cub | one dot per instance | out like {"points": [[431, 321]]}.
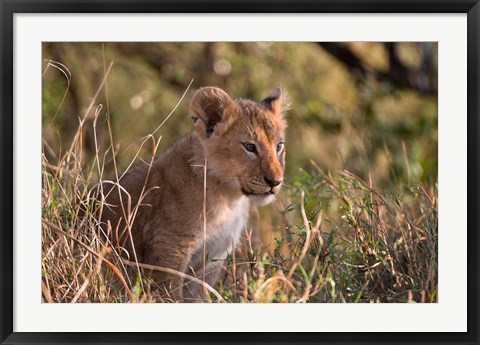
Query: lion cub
{"points": [[242, 143]]}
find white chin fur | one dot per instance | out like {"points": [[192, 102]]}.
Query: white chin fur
{"points": [[262, 200]]}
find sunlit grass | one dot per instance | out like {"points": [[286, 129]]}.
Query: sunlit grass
{"points": [[341, 240], [332, 236]]}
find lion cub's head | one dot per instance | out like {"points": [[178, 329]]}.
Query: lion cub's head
{"points": [[243, 140]]}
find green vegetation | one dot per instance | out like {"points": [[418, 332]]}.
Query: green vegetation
{"points": [[344, 242], [356, 222]]}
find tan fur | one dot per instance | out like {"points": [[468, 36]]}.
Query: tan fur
{"points": [[168, 228]]}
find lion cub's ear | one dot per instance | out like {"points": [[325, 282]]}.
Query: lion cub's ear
{"points": [[208, 107], [277, 102]]}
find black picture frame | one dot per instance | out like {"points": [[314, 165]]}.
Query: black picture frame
{"points": [[9, 7]]}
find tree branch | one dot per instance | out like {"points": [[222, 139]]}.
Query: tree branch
{"points": [[420, 79]]}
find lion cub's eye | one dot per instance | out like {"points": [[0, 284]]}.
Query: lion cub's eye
{"points": [[280, 147], [250, 147]]}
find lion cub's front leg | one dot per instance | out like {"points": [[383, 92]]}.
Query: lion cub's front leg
{"points": [[195, 292], [172, 252]]}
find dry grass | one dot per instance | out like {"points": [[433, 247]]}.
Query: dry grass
{"points": [[344, 242], [341, 241], [336, 238]]}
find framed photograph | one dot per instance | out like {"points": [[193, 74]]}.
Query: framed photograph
{"points": [[239, 172]]}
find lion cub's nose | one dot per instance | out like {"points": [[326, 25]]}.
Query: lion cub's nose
{"points": [[272, 183]]}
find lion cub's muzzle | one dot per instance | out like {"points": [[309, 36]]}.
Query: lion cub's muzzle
{"points": [[272, 183], [275, 187], [267, 188]]}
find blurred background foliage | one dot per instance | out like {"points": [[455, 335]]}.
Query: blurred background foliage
{"points": [[369, 108]]}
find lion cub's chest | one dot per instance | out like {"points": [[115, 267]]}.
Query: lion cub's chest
{"points": [[224, 227]]}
